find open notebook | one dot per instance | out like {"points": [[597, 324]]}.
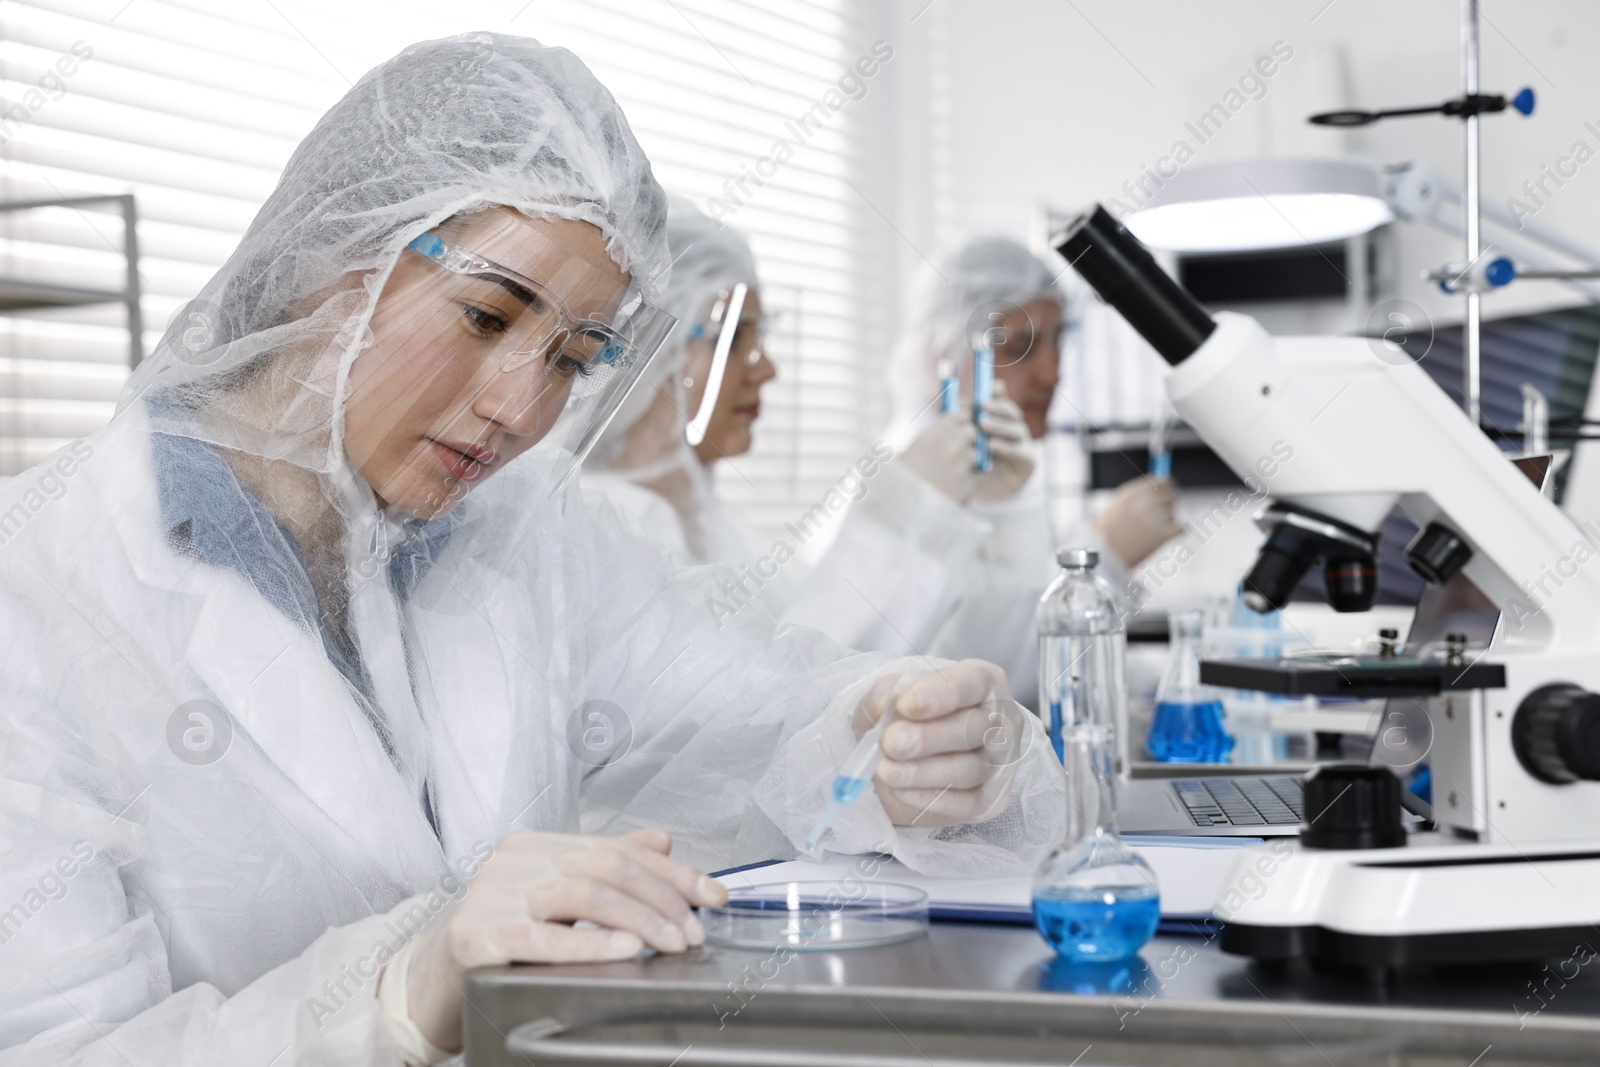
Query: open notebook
{"points": [[1189, 870]]}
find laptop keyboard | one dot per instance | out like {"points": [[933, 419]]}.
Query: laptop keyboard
{"points": [[1249, 801]]}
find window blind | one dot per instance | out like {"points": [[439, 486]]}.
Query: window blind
{"points": [[194, 110], [194, 106], [711, 87]]}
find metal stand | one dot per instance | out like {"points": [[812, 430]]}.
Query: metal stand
{"points": [[1472, 208]]}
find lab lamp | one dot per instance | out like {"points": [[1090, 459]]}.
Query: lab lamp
{"points": [[1262, 204]]}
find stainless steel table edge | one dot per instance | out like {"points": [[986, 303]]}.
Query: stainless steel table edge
{"points": [[577, 1012]]}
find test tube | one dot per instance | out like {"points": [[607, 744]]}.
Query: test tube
{"points": [[1160, 450], [949, 387], [982, 393]]}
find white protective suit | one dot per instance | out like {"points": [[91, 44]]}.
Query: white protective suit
{"points": [[221, 809], [913, 571]]}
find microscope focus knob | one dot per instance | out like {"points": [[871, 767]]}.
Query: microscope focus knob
{"points": [[1556, 734], [1352, 805]]}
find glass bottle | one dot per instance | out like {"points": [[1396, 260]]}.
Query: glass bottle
{"points": [[1094, 899], [1082, 648], [1187, 727]]}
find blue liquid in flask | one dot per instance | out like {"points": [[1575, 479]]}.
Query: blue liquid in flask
{"points": [[1189, 732], [1098, 924]]}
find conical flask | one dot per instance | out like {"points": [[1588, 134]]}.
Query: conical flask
{"points": [[1187, 726]]}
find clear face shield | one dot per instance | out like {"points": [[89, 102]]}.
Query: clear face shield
{"points": [[741, 333], [474, 362]]}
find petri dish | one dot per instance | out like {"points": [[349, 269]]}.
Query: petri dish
{"points": [[817, 916]]}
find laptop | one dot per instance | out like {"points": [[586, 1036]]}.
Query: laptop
{"points": [[1251, 805]]}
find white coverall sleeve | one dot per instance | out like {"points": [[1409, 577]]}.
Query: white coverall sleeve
{"points": [[736, 735], [644, 514], [897, 568], [84, 977]]}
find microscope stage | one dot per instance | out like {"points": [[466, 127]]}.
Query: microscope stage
{"points": [[1357, 677]]}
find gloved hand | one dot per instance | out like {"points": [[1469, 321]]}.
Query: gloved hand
{"points": [[1010, 446], [941, 455], [523, 900], [1138, 519], [952, 757]]}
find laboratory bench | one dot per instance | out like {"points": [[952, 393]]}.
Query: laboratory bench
{"points": [[973, 994]]}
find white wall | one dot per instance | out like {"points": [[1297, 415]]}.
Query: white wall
{"points": [[1059, 103]]}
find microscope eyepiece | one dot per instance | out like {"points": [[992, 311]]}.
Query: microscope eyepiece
{"points": [[1127, 277]]}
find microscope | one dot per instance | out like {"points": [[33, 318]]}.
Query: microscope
{"points": [[1512, 868]]}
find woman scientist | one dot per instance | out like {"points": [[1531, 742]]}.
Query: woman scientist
{"points": [[693, 408], [937, 558], [294, 728]]}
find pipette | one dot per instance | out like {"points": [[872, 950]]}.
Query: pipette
{"points": [[856, 773]]}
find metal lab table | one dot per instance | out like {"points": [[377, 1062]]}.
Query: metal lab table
{"points": [[972, 994]]}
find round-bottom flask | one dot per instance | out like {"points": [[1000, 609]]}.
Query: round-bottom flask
{"points": [[1094, 899]]}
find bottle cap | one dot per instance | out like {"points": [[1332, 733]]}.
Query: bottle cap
{"points": [[1077, 557]]}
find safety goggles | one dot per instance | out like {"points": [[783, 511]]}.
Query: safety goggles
{"points": [[474, 312], [1007, 332], [532, 321]]}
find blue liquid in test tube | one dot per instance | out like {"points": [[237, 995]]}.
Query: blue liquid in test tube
{"points": [[1160, 451], [982, 393], [949, 388]]}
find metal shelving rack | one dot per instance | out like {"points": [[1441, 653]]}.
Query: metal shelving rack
{"points": [[21, 294]]}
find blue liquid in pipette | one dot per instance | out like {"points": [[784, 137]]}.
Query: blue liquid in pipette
{"points": [[848, 790], [845, 790], [1099, 924], [1055, 730], [1188, 732], [1161, 464]]}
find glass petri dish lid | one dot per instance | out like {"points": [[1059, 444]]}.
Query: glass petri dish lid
{"points": [[817, 916]]}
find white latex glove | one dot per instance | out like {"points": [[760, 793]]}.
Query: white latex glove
{"points": [[522, 902], [952, 757], [941, 455], [1010, 446], [1138, 519]]}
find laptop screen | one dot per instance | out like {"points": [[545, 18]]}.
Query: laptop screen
{"points": [[1459, 606]]}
